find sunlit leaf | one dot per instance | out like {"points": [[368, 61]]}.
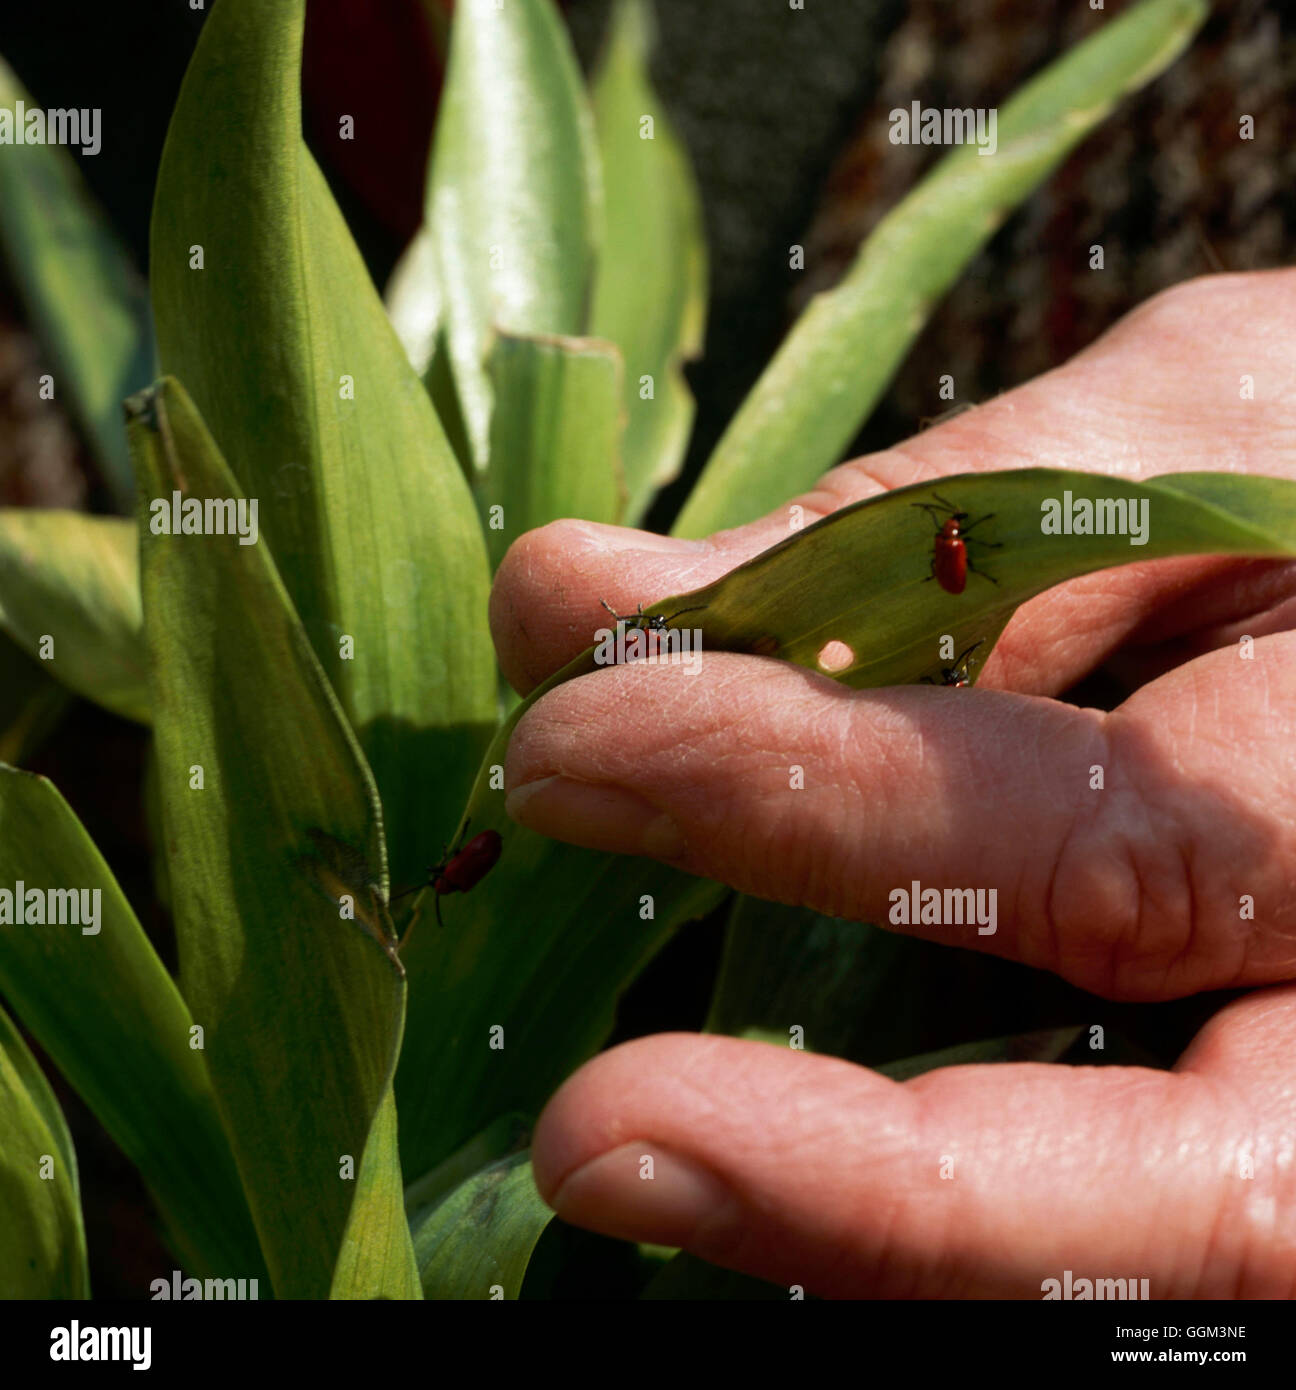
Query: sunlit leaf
{"points": [[274, 839], [377, 1259], [555, 436], [651, 287], [513, 195], [285, 347]]}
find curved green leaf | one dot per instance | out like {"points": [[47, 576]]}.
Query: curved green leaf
{"points": [[31, 703], [513, 194], [84, 298], [103, 1007], [287, 351], [861, 576], [377, 1258], [42, 1254], [840, 355], [503, 1136], [555, 436], [274, 842], [74, 579], [478, 1241], [651, 288], [416, 306], [414, 301]]}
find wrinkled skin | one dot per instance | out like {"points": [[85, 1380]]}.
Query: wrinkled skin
{"points": [[808, 1170]]}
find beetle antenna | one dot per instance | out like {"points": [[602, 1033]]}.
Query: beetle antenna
{"points": [[700, 607]]}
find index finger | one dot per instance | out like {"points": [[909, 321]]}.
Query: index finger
{"points": [[1158, 393]]}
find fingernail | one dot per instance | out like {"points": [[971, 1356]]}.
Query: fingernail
{"points": [[641, 1191], [595, 815]]}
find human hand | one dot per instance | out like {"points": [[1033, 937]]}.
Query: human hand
{"points": [[809, 1170]]}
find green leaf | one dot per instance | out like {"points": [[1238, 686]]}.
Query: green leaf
{"points": [[836, 362], [31, 703], [787, 967], [108, 1014], [503, 1136], [75, 579], [416, 306], [276, 860], [377, 1257], [361, 500], [513, 197], [43, 1253], [555, 435], [861, 576], [480, 1238], [549, 979], [651, 289], [415, 302], [85, 300]]}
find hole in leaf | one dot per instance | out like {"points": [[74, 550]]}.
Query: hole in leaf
{"points": [[835, 656]]}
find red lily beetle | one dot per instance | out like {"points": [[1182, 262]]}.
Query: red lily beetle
{"points": [[461, 869], [950, 563]]}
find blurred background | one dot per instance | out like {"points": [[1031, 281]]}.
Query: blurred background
{"points": [[784, 113]]}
